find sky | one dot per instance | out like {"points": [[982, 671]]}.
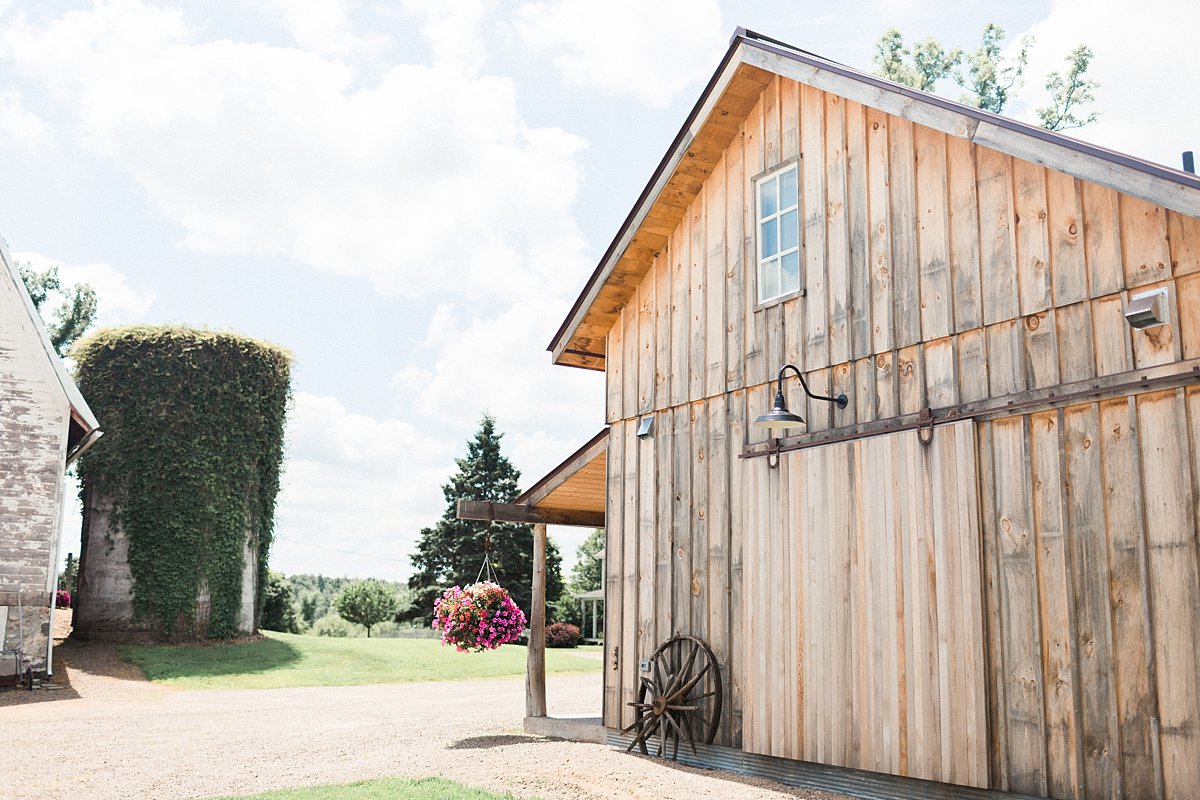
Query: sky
{"points": [[410, 195]]}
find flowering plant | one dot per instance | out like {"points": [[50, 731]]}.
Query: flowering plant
{"points": [[62, 599], [480, 617]]}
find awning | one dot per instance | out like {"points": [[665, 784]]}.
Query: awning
{"points": [[570, 494]]}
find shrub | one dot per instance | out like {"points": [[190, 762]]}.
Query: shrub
{"points": [[334, 626], [562, 634], [278, 613], [62, 599]]}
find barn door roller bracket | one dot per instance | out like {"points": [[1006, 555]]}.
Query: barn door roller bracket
{"points": [[773, 451], [925, 426]]}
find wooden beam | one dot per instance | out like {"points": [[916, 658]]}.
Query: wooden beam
{"points": [[535, 656], [530, 515]]}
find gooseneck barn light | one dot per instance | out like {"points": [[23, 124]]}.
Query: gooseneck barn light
{"points": [[779, 416]]}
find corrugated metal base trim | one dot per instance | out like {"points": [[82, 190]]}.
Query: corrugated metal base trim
{"points": [[807, 775]]}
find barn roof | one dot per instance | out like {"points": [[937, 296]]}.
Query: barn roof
{"points": [[750, 63], [85, 428]]}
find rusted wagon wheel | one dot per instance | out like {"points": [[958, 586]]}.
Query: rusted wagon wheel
{"points": [[679, 698]]}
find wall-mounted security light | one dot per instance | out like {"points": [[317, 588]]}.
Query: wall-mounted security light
{"points": [[1148, 309], [645, 428]]}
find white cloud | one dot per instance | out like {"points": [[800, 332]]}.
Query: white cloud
{"points": [[426, 180], [323, 26], [117, 300], [650, 51], [356, 484], [1145, 61], [498, 363], [453, 30], [18, 125]]}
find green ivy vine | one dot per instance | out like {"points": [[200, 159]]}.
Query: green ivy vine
{"points": [[191, 456]]}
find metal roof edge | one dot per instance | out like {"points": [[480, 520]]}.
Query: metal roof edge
{"points": [[744, 36], [1054, 137]]}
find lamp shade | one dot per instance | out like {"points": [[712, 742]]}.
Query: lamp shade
{"points": [[779, 416]]}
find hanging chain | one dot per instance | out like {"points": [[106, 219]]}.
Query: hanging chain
{"points": [[485, 570]]}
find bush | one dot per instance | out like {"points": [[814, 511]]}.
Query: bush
{"points": [[562, 634], [334, 626], [278, 613], [62, 599]]}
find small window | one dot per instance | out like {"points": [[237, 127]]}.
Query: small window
{"points": [[778, 234]]}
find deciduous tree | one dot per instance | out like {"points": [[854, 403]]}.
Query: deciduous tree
{"points": [[990, 78], [366, 603], [74, 315], [1069, 91]]}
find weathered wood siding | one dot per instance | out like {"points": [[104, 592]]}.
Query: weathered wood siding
{"points": [[866, 616], [1090, 521], [34, 415], [937, 272]]}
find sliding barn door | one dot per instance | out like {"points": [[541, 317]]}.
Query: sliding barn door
{"points": [[863, 607]]}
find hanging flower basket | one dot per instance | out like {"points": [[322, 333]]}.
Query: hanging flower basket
{"points": [[480, 617]]}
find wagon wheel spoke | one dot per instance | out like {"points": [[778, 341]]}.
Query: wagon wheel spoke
{"points": [[635, 724], [691, 684], [679, 676], [643, 734]]}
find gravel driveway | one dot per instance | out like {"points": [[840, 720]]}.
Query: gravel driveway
{"points": [[110, 734]]}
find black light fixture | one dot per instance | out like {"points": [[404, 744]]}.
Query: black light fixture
{"points": [[779, 416]]}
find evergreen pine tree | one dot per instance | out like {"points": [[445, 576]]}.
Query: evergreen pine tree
{"points": [[452, 551]]}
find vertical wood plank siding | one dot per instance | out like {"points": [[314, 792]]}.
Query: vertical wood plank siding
{"points": [[1017, 605]]}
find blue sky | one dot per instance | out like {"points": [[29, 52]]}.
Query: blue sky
{"points": [[409, 195]]}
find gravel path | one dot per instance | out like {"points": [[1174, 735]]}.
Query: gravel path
{"points": [[110, 734]]}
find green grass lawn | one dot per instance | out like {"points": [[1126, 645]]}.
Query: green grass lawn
{"points": [[385, 789], [283, 659]]}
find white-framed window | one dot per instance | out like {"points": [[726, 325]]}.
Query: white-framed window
{"points": [[778, 213]]}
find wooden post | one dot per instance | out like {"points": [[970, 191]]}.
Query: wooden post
{"points": [[535, 666]]}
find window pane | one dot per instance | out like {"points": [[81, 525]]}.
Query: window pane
{"points": [[769, 231], [770, 277], [789, 231], [787, 188], [791, 273], [768, 200]]}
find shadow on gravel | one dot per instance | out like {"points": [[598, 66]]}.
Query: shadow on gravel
{"points": [[488, 742], [57, 688]]}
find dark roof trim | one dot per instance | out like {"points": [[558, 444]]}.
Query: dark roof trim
{"points": [[766, 43]]}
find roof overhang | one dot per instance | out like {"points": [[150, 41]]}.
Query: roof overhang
{"points": [[748, 66], [84, 427], [570, 494]]}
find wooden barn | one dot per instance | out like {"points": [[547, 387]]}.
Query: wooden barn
{"points": [[982, 570], [44, 425]]}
